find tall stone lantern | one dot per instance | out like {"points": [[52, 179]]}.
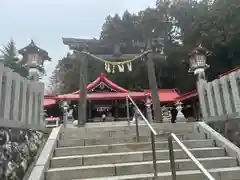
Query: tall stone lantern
{"points": [[180, 115], [198, 64], [33, 58], [197, 61]]}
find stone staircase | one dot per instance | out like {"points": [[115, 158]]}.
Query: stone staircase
{"points": [[112, 153]]}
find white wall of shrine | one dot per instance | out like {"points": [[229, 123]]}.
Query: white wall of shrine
{"points": [[221, 96], [21, 101]]}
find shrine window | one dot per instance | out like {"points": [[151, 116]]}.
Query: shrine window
{"points": [[33, 59]]}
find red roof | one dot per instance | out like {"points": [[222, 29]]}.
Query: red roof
{"points": [[48, 102], [104, 79], [187, 95], [166, 95], [228, 72], [104, 96]]}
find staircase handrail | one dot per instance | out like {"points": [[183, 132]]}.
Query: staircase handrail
{"points": [[143, 117], [153, 134], [188, 153]]}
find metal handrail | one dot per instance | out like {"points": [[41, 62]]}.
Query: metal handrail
{"points": [[153, 134], [144, 118], [188, 153]]}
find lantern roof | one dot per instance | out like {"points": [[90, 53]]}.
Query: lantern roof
{"points": [[199, 50], [33, 48]]}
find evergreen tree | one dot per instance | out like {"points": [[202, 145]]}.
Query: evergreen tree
{"points": [[9, 54]]}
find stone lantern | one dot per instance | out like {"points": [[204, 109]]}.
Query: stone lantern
{"points": [[65, 107], [198, 64], [148, 105], [33, 58], [197, 61], [180, 115]]}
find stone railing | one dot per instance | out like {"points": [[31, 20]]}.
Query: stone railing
{"points": [[221, 96], [228, 126], [21, 101], [21, 122]]}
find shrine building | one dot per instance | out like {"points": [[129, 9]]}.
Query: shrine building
{"points": [[106, 96]]}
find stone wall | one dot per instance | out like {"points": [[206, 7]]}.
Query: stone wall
{"points": [[18, 148]]}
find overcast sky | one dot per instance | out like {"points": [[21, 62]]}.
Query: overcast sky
{"points": [[47, 21]]}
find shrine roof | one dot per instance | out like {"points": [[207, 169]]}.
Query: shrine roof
{"points": [[102, 78], [166, 95], [187, 95], [118, 93], [228, 72], [48, 102], [104, 96]]}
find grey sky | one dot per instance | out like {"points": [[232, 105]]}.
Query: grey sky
{"points": [[47, 21]]}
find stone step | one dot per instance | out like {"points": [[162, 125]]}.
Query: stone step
{"points": [[181, 164], [125, 130], [124, 139], [179, 125], [127, 147], [134, 168], [124, 157], [229, 173]]}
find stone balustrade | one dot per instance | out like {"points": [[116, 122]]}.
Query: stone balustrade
{"points": [[21, 101], [220, 97], [21, 122]]}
